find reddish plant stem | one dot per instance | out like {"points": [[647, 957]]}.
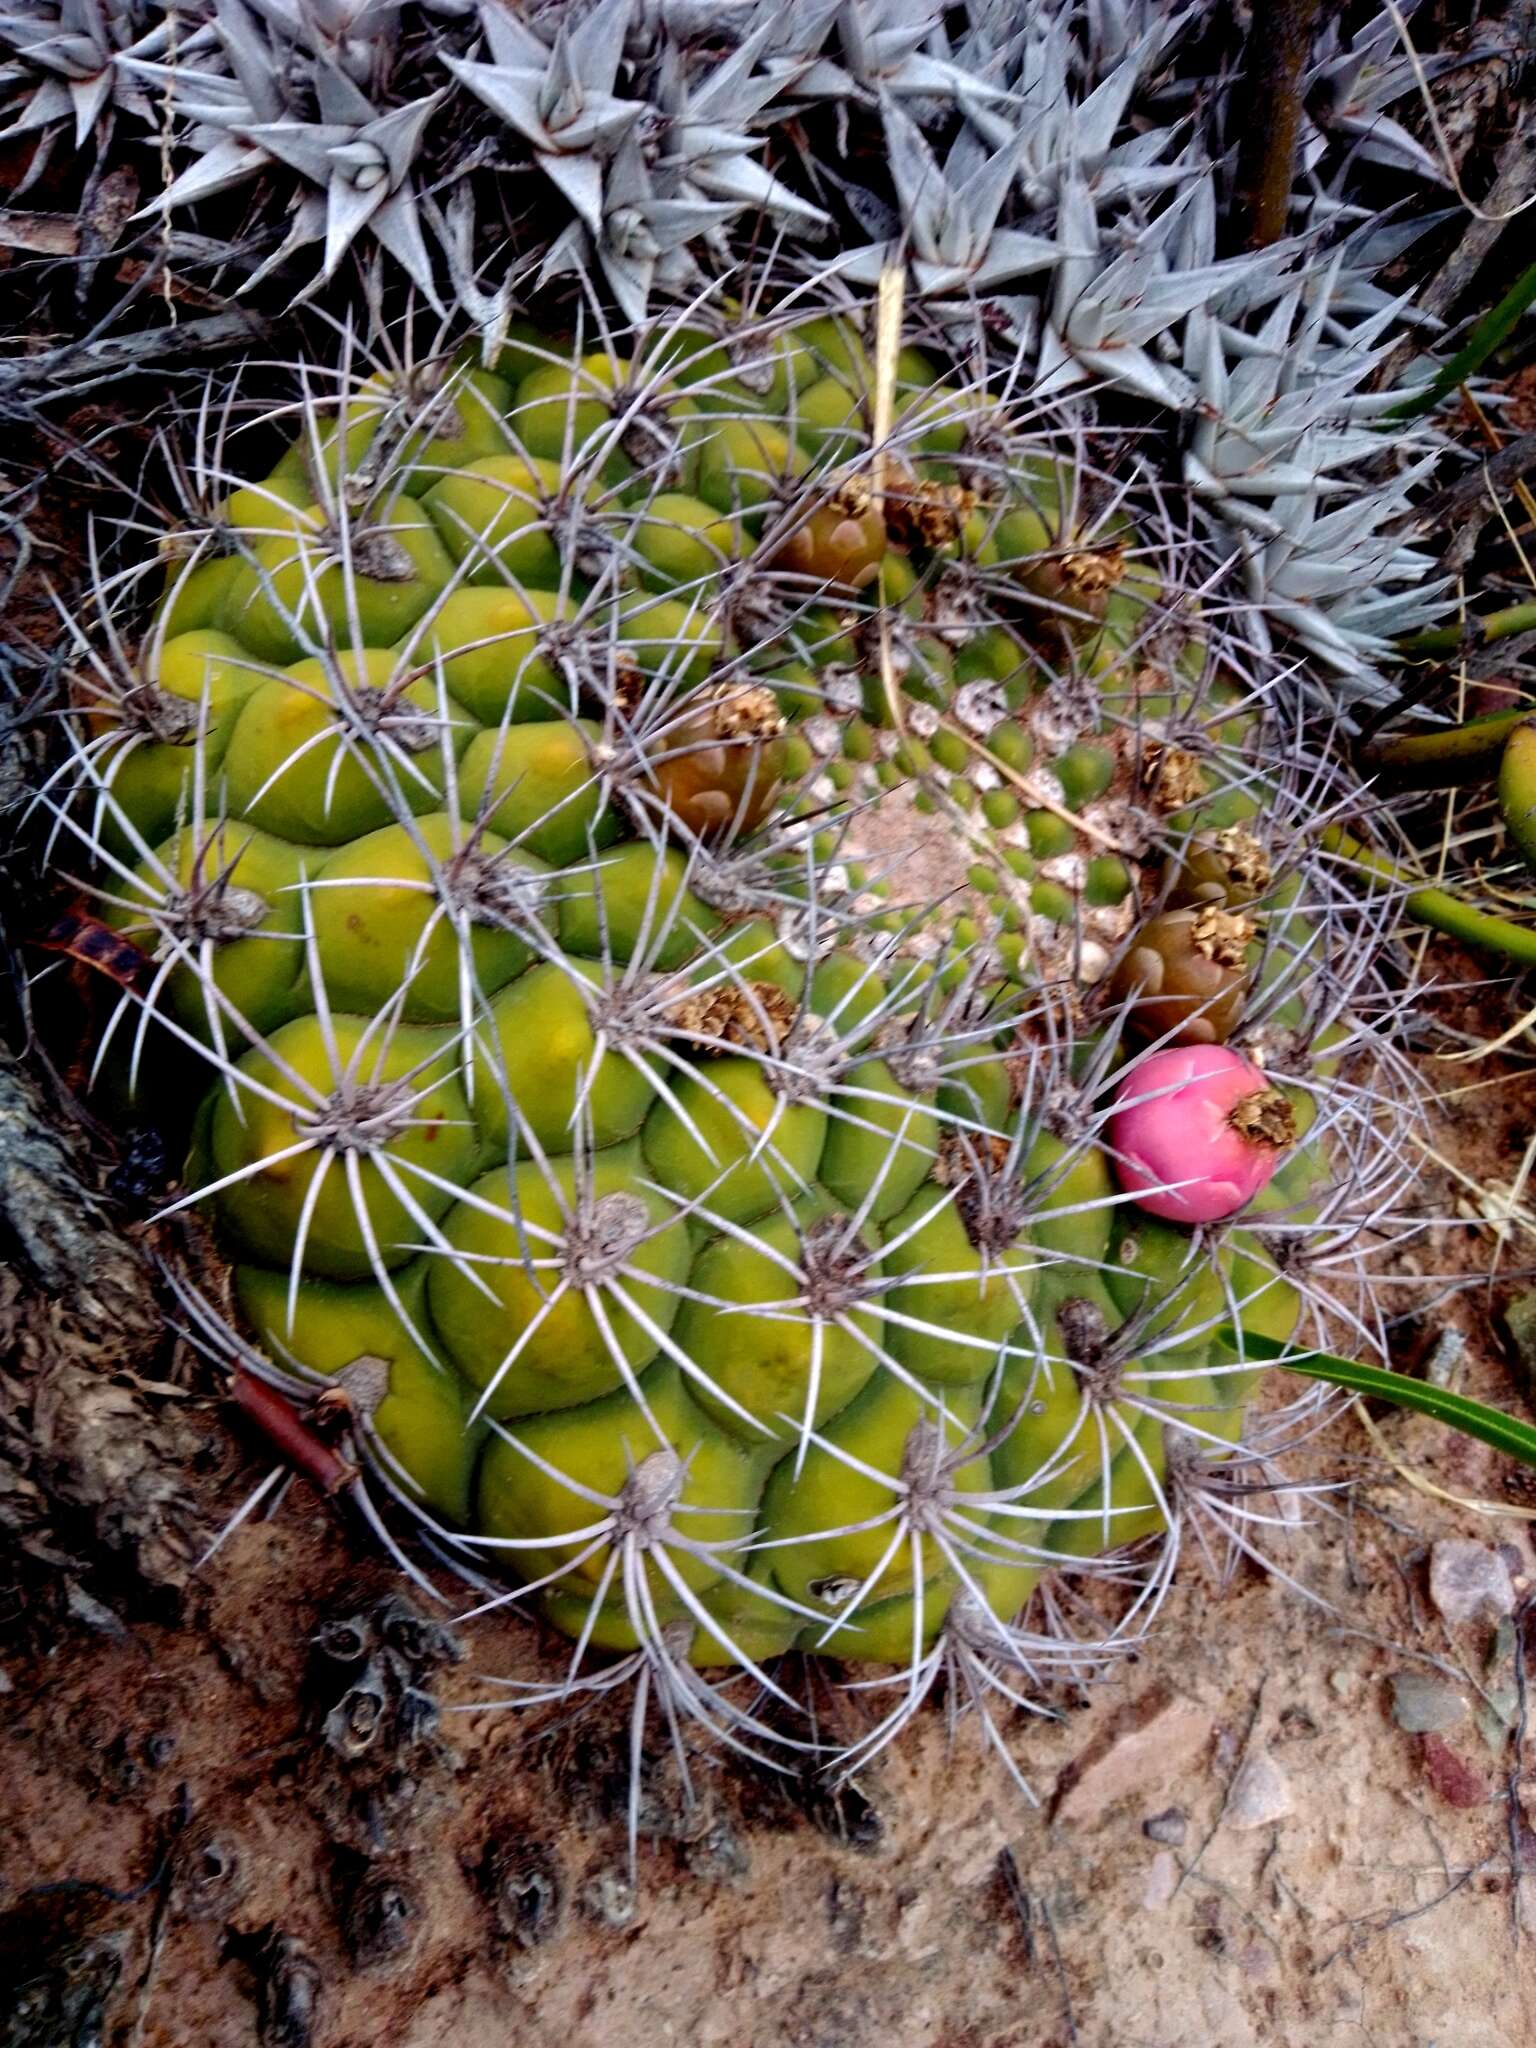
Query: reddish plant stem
{"points": [[291, 1436], [94, 944]]}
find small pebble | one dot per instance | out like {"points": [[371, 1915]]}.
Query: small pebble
{"points": [[1442, 1368], [1171, 1825], [1468, 1580], [1260, 1793], [1162, 1882], [609, 1897], [1423, 1703], [1457, 1783]]}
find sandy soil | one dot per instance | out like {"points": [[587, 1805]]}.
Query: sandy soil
{"points": [[470, 1889], [187, 1849]]}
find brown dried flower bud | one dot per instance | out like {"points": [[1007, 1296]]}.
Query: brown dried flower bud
{"points": [[1186, 975], [718, 762], [1173, 777], [1229, 867]]}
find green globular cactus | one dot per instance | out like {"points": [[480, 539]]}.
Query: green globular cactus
{"points": [[745, 1259]]}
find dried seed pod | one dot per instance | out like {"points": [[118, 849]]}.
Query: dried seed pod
{"points": [[1075, 584], [421, 1641], [288, 1986], [344, 1639], [210, 1878], [355, 1722], [840, 542], [381, 1917], [524, 1890], [717, 765], [1228, 868], [922, 512], [417, 1717], [1186, 975]]}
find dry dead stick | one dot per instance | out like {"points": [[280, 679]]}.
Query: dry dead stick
{"points": [[893, 280], [77, 365], [1025, 1905], [58, 234], [1497, 472], [1514, 181], [1279, 43], [39, 234]]}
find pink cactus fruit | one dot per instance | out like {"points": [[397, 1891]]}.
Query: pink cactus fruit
{"points": [[1201, 1115]]}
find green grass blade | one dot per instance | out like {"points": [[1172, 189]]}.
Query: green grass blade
{"points": [[1496, 325], [1473, 1418]]}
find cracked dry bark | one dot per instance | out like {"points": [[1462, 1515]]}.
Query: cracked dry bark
{"points": [[94, 1468]]}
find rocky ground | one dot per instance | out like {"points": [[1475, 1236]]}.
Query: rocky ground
{"points": [[1284, 1823]]}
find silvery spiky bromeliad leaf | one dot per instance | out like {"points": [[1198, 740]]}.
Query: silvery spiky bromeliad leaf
{"points": [[1108, 305], [877, 49], [360, 169], [285, 99], [1344, 580], [1288, 384], [1285, 430], [1059, 125], [1351, 82], [65, 64], [695, 139], [645, 178], [559, 97], [638, 234], [1146, 30], [1370, 249], [949, 217], [1051, 171]]}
